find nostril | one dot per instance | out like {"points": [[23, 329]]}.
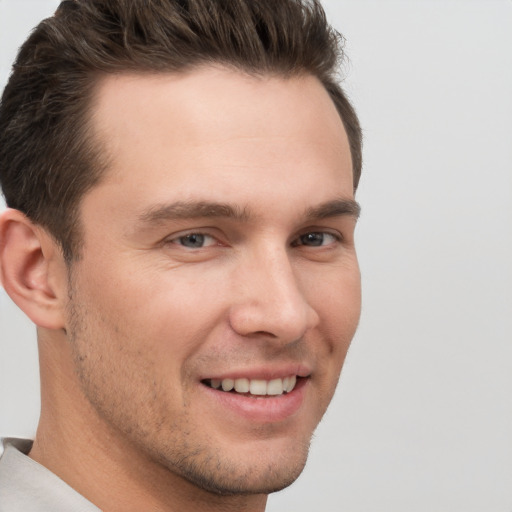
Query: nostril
{"points": [[265, 333]]}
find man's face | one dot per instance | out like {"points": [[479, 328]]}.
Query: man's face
{"points": [[218, 251]]}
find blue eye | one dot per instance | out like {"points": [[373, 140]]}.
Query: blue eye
{"points": [[316, 239], [195, 240]]}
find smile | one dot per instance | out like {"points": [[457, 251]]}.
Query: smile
{"points": [[256, 387]]}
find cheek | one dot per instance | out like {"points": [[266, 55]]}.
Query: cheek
{"points": [[339, 306], [166, 314], [124, 353], [337, 299]]}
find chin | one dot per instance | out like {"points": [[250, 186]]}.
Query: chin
{"points": [[268, 481], [224, 477]]}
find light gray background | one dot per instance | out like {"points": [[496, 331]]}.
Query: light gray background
{"points": [[422, 420]]}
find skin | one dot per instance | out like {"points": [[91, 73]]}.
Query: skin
{"points": [[268, 286]]}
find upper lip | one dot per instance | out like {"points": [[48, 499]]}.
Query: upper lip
{"points": [[262, 373]]}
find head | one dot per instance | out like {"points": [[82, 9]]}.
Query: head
{"points": [[191, 170]]}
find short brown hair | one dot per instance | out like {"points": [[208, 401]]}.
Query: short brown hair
{"points": [[48, 158]]}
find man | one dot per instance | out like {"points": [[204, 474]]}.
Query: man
{"points": [[180, 179]]}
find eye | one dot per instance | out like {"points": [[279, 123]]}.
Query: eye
{"points": [[194, 240], [316, 239]]}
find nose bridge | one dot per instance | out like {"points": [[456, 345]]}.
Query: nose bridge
{"points": [[272, 301]]}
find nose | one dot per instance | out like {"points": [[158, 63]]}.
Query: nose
{"points": [[269, 300]]}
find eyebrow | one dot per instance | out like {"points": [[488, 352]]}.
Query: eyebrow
{"points": [[335, 208], [206, 209], [192, 210]]}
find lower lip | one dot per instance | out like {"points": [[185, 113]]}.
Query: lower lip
{"points": [[265, 409]]}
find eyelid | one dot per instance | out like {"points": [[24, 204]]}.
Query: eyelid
{"points": [[174, 238]]}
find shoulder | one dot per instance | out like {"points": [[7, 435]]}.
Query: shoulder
{"points": [[12, 453], [28, 486], [22, 445]]}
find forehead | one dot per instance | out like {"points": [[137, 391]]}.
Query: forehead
{"points": [[220, 130]]}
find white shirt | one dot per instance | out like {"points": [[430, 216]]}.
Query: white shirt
{"points": [[26, 486]]}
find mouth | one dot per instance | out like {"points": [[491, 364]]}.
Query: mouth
{"points": [[255, 387], [275, 399]]}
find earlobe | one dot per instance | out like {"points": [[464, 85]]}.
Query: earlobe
{"points": [[32, 269]]}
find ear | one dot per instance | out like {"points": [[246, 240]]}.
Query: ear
{"points": [[32, 270]]}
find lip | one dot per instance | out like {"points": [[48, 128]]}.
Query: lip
{"points": [[281, 372], [268, 409]]}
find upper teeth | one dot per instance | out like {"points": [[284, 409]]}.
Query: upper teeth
{"points": [[256, 386]]}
